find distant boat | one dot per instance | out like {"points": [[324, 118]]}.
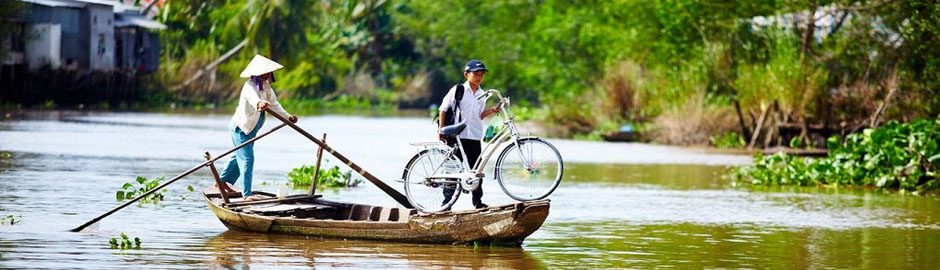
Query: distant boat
{"points": [[308, 215], [810, 152], [625, 134]]}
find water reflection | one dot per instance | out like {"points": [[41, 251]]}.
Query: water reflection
{"points": [[241, 250], [663, 175], [681, 245]]}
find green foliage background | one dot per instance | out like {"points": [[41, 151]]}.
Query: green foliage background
{"points": [[580, 66]]}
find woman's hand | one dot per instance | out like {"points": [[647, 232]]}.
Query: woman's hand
{"points": [[262, 105], [292, 118]]}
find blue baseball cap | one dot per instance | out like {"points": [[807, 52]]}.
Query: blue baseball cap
{"points": [[474, 65]]}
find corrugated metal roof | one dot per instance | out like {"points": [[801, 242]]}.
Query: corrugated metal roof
{"points": [[123, 20], [98, 2], [77, 3], [56, 3]]}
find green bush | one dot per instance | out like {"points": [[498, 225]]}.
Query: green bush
{"points": [[382, 103], [727, 140], [901, 156]]}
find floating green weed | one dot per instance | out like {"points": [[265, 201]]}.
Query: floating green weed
{"points": [[901, 156], [6, 155], [10, 219], [124, 242], [189, 189], [140, 186], [332, 177]]}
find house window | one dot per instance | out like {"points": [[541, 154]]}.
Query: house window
{"points": [[18, 37], [101, 45]]}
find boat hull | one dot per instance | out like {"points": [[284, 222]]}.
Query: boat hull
{"points": [[506, 224]]}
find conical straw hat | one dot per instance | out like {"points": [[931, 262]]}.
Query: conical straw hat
{"points": [[260, 65]]}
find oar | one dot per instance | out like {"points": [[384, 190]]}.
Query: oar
{"points": [[387, 189], [178, 177]]}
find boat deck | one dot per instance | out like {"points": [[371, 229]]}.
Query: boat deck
{"points": [[310, 207]]}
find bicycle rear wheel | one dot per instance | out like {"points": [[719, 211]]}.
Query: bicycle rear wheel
{"points": [[530, 169], [427, 195]]}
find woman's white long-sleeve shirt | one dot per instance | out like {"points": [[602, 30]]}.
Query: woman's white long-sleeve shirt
{"points": [[247, 114]]}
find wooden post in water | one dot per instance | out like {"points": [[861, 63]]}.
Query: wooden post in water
{"points": [[397, 196], [316, 170], [223, 189]]}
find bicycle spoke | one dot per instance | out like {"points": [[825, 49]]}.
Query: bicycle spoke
{"points": [[424, 194], [531, 175]]}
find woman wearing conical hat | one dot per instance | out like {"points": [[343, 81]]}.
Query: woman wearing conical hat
{"points": [[256, 95]]}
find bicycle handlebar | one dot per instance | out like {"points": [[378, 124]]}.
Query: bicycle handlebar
{"points": [[504, 101]]}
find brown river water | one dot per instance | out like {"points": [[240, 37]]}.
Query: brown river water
{"points": [[620, 205]]}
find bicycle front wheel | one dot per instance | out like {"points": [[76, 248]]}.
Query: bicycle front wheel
{"points": [[529, 169], [430, 195]]}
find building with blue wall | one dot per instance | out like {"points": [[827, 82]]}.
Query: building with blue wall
{"points": [[82, 35]]}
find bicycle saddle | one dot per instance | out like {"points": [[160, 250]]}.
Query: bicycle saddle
{"points": [[453, 130]]}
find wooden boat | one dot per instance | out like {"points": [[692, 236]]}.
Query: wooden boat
{"points": [[620, 136], [625, 134], [814, 152], [309, 215]]}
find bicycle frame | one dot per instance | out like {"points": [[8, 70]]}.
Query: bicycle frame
{"points": [[509, 132]]}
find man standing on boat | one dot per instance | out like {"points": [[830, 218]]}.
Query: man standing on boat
{"points": [[256, 95], [471, 112]]}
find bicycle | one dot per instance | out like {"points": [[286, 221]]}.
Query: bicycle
{"points": [[529, 168]]}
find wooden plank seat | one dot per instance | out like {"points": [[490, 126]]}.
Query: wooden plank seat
{"points": [[213, 192], [273, 199], [282, 209]]}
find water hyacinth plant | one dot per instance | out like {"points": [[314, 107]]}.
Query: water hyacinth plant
{"points": [[10, 219], [897, 155], [124, 242], [141, 185], [189, 190], [302, 177]]}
